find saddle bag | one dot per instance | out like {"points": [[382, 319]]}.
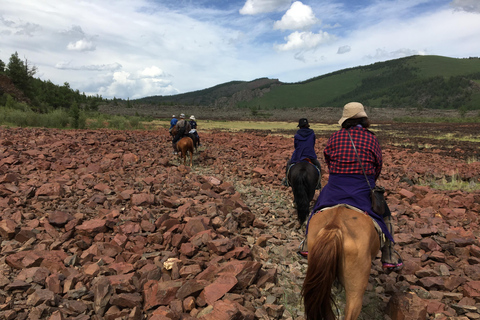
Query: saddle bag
{"points": [[377, 195]]}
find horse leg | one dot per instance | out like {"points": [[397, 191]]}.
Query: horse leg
{"points": [[191, 158], [355, 281], [356, 267]]}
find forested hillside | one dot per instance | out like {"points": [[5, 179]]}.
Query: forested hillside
{"points": [[20, 89], [431, 82], [414, 82]]}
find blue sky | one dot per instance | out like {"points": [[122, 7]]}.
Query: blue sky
{"points": [[132, 49]]}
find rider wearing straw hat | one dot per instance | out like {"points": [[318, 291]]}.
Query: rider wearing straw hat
{"points": [[193, 126], [346, 182]]}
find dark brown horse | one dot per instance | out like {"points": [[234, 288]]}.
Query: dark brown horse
{"points": [[341, 245], [303, 177], [185, 145]]}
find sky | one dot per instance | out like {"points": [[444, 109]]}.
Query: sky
{"points": [[139, 48]]}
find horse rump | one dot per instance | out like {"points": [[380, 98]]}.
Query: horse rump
{"points": [[185, 145], [342, 243]]}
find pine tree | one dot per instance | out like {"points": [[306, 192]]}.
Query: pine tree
{"points": [[21, 74], [2, 67]]}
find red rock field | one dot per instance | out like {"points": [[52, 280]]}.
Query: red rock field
{"points": [[103, 224]]}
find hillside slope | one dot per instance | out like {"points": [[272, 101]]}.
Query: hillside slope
{"points": [[432, 82]]}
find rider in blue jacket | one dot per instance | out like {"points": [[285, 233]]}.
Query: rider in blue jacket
{"points": [[304, 143], [173, 122]]}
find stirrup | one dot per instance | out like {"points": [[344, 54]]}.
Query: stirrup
{"points": [[393, 266], [301, 252]]}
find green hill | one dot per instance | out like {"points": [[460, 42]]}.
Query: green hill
{"points": [[414, 82]]}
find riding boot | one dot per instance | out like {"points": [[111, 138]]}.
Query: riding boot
{"points": [[319, 182], [390, 258]]}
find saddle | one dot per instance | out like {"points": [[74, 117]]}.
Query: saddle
{"points": [[319, 182]]}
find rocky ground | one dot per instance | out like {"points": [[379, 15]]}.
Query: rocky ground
{"points": [[108, 225]]}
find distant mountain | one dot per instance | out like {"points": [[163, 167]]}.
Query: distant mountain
{"points": [[413, 82], [211, 95]]}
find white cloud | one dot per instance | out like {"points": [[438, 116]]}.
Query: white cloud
{"points": [[304, 41], [467, 5], [152, 72], [105, 67], [298, 17], [81, 45], [263, 6], [136, 86]]}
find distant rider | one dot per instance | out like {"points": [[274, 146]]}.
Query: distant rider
{"points": [[173, 122], [304, 143], [183, 127], [193, 126]]}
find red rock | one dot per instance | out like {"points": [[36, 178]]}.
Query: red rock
{"points": [[428, 244], [159, 293], [126, 300], [53, 283], [59, 218], [41, 296], [7, 228], [228, 310], [102, 291], [50, 190], [142, 199], [194, 226], [245, 271], [121, 267], [471, 289], [92, 227], [216, 290], [130, 227], [36, 274], [190, 270], [129, 158], [191, 287], [220, 246], [406, 306], [434, 307]]}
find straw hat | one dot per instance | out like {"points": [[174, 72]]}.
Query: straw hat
{"points": [[182, 116], [192, 117], [352, 110]]}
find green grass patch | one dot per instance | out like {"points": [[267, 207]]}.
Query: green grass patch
{"points": [[452, 183]]}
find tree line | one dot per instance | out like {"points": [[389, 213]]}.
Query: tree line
{"points": [[41, 96]]}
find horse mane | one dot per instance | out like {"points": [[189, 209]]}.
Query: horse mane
{"points": [[317, 287]]}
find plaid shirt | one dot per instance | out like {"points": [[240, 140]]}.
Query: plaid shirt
{"points": [[340, 155]]}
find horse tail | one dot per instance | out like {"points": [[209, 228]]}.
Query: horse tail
{"points": [[324, 259], [301, 195]]}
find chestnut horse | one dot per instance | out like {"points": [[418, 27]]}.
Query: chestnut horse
{"points": [[185, 145], [173, 133], [342, 242]]}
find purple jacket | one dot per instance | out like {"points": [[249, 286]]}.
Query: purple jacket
{"points": [[304, 142]]}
